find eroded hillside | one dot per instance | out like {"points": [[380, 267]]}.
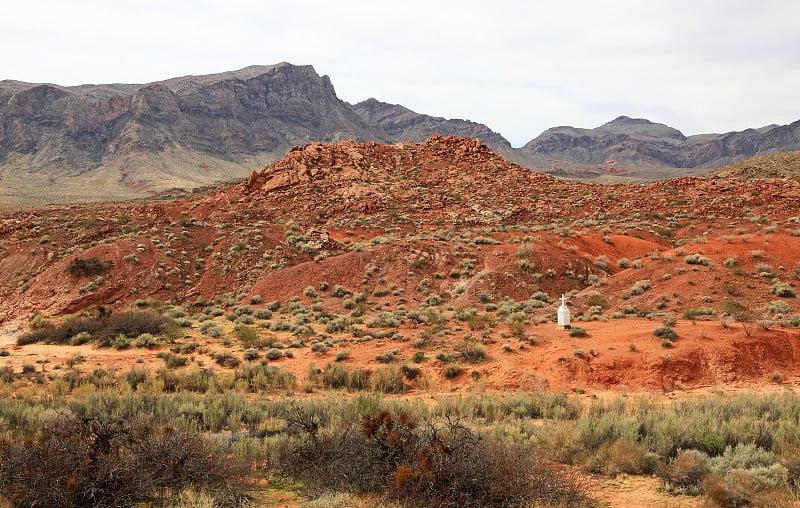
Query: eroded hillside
{"points": [[381, 236]]}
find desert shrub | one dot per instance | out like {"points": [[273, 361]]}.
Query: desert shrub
{"points": [[577, 331], [743, 474], [227, 360], [697, 259], [262, 313], [433, 300], [242, 310], [172, 361], [260, 377], [427, 464], [340, 292], [669, 320], [732, 307], [693, 312], [452, 371], [145, 340], [338, 325], [686, 472], [121, 342], [95, 459], [471, 351], [250, 354], [336, 376], [388, 356], [247, 335], [87, 267], [274, 354], [410, 372], [621, 456], [133, 323], [639, 287], [388, 380], [105, 328], [211, 329], [384, 320], [765, 270], [777, 307], [665, 332], [333, 376], [783, 290], [741, 456]]}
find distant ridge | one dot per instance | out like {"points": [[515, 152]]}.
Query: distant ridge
{"points": [[121, 141], [638, 142], [780, 165]]}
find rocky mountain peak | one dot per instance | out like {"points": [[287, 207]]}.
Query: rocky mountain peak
{"points": [[640, 127]]}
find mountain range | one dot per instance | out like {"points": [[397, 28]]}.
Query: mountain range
{"points": [[122, 141]]}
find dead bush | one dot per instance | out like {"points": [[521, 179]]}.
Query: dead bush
{"points": [[95, 460], [686, 472], [426, 464], [87, 267], [621, 456]]}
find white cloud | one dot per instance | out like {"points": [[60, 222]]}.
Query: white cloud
{"points": [[519, 67]]}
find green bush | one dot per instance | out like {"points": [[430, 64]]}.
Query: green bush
{"points": [[665, 332], [777, 307], [471, 352], [388, 380], [783, 290], [451, 371], [577, 331], [697, 259], [639, 287], [693, 312]]}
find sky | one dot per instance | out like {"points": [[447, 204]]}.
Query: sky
{"points": [[520, 67]]}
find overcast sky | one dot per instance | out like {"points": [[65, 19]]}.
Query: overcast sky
{"points": [[518, 66]]}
